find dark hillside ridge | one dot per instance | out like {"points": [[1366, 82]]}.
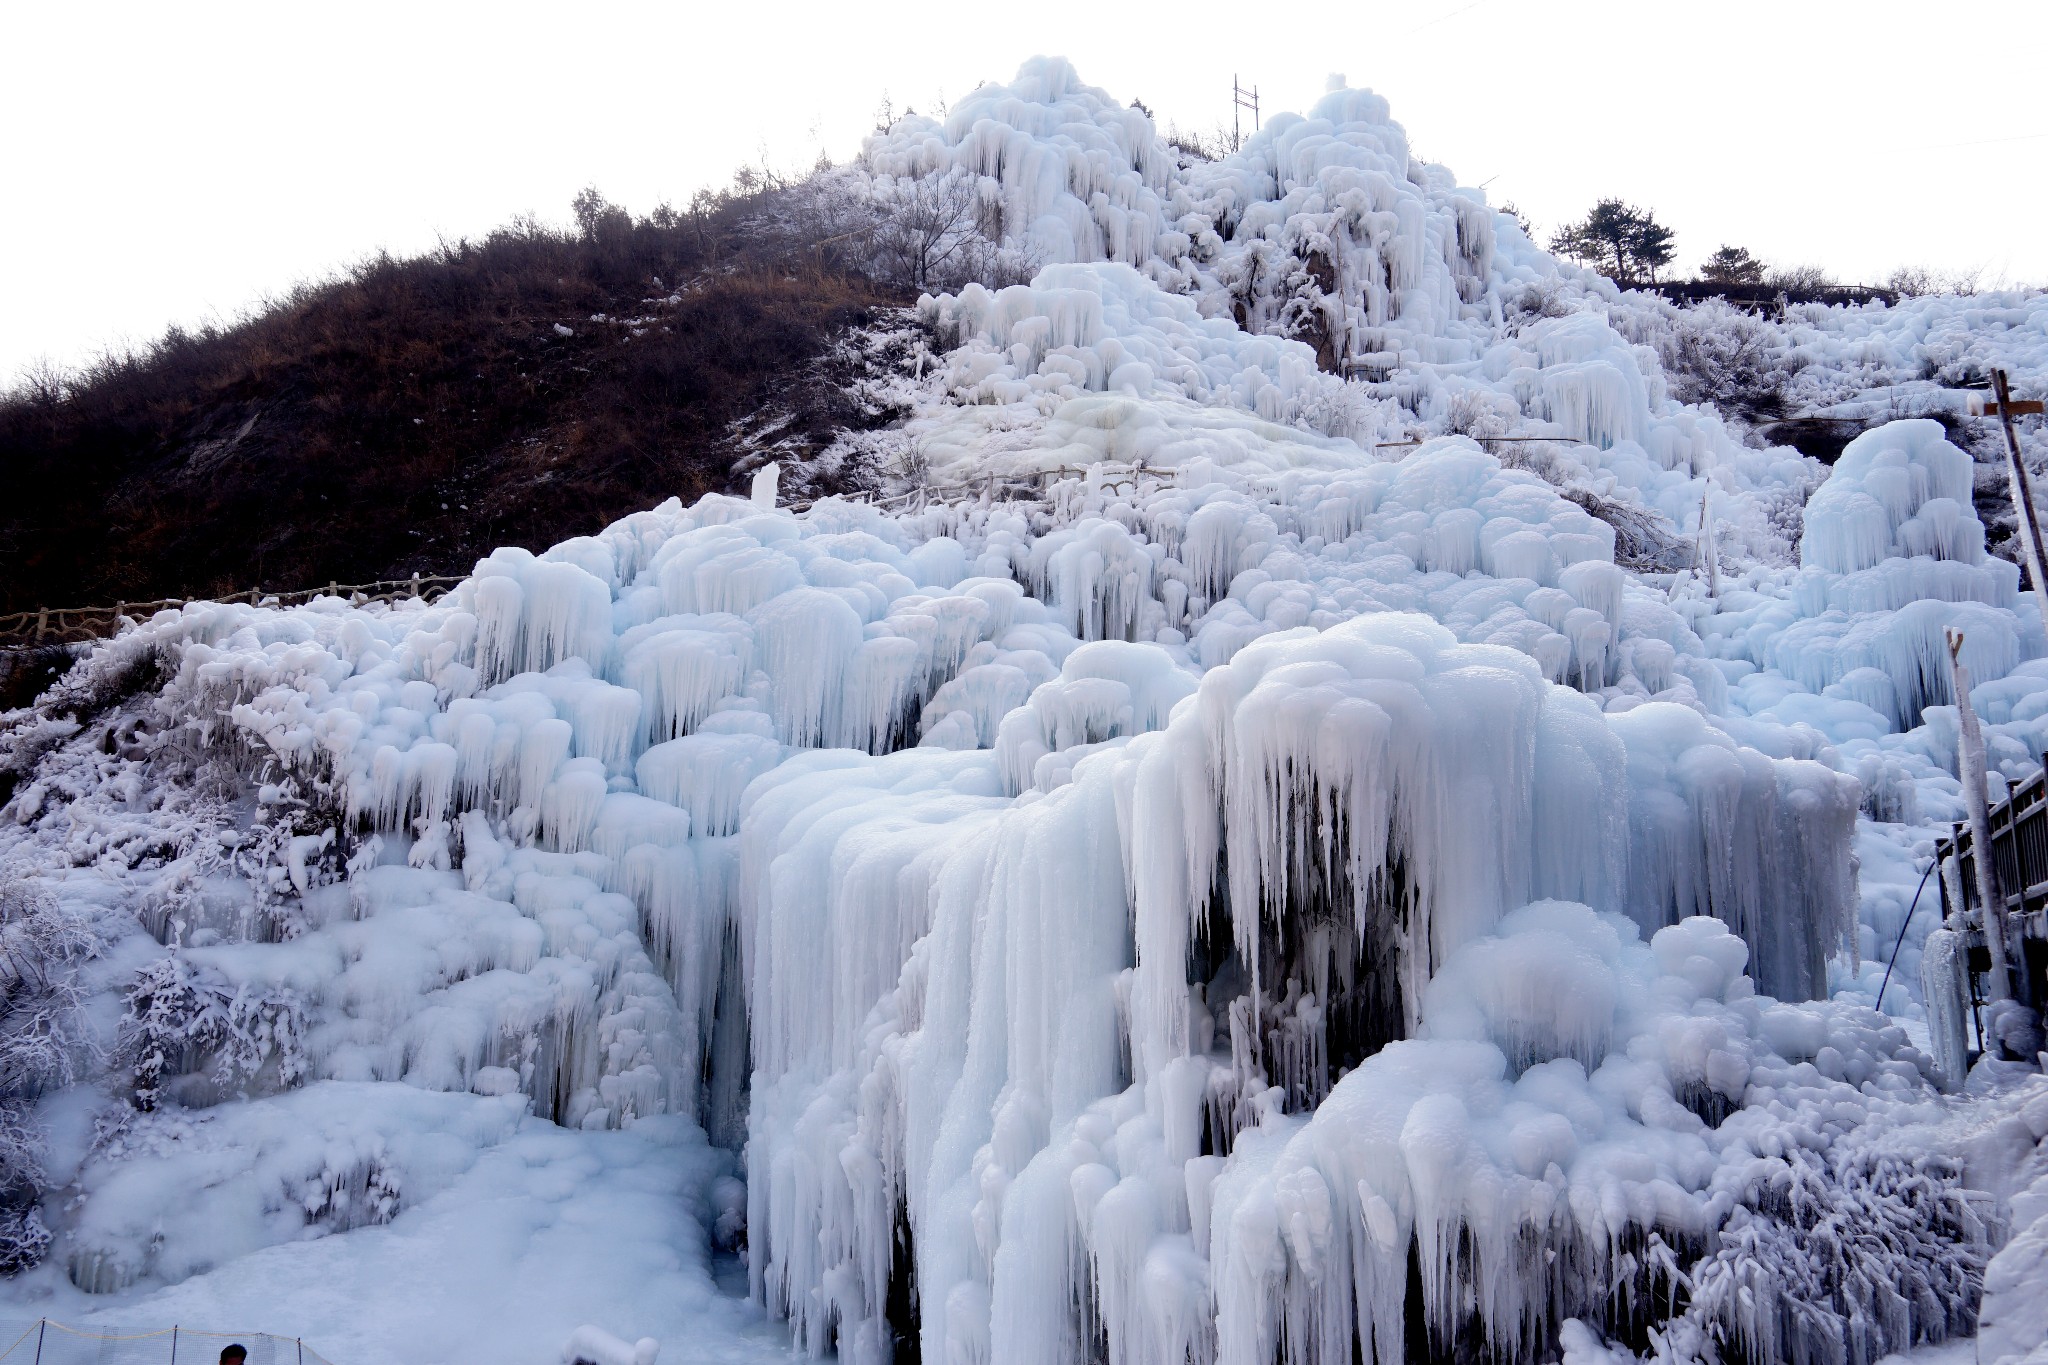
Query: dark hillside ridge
{"points": [[414, 414]]}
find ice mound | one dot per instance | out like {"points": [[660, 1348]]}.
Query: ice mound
{"points": [[912, 847], [1899, 491], [551, 1229], [1567, 1118], [1094, 328], [1421, 759], [168, 1196], [1319, 276], [2014, 1325]]}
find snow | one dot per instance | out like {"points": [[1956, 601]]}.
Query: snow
{"points": [[546, 1227], [1231, 830], [2014, 1323]]}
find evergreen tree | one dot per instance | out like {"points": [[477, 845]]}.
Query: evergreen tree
{"points": [[1625, 243], [1732, 265]]}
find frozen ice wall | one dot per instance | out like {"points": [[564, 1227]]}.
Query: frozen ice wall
{"points": [[904, 845], [1238, 867], [1899, 492]]}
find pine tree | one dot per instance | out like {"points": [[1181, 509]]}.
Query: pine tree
{"points": [[1732, 265], [1625, 243], [1651, 246]]}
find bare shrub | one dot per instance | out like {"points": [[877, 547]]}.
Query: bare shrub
{"points": [[942, 231], [1801, 279], [1910, 282], [1720, 355]]}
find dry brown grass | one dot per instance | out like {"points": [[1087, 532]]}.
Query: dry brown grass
{"points": [[408, 415]]}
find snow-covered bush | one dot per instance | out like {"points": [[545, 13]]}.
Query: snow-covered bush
{"points": [[182, 1018], [1836, 1252]]}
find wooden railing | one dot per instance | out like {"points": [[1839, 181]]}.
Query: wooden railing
{"points": [[70, 625]]}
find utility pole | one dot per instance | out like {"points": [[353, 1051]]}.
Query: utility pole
{"points": [[1241, 98], [2022, 491]]}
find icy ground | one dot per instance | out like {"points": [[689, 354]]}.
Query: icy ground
{"points": [[1233, 862], [544, 1230]]}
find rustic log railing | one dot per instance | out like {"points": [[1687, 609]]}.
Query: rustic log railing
{"points": [[71, 625], [2019, 842]]}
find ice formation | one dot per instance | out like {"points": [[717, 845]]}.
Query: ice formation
{"points": [[1194, 884]]}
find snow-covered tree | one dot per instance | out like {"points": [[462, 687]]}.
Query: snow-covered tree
{"points": [[181, 1017], [42, 1041]]}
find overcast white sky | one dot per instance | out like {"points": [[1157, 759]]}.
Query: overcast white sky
{"points": [[170, 162]]}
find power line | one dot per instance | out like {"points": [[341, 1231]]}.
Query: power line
{"points": [[1982, 142], [1432, 23]]}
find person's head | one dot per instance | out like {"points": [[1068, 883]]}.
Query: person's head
{"points": [[234, 1355]]}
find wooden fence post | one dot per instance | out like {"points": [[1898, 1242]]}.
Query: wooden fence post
{"points": [[1983, 859], [42, 625]]}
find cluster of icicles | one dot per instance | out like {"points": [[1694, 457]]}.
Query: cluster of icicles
{"points": [[1008, 948]]}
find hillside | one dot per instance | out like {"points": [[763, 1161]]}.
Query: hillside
{"points": [[413, 414], [1346, 802]]}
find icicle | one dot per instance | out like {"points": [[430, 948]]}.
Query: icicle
{"points": [[765, 479], [1710, 542], [1944, 988]]}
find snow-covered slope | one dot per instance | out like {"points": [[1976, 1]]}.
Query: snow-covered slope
{"points": [[1233, 867]]}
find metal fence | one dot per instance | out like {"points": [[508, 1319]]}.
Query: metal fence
{"points": [[47, 1342]]}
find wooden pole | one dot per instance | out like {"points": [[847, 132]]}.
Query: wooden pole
{"points": [[2023, 498], [1970, 770], [1710, 548]]}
